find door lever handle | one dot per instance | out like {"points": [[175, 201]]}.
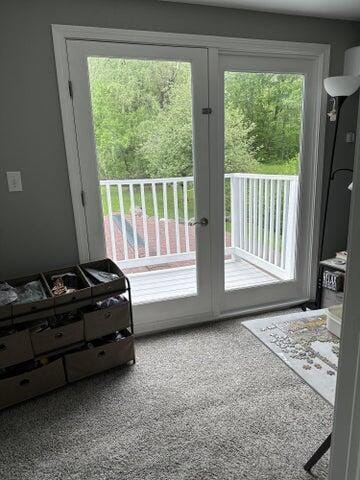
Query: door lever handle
{"points": [[203, 221]]}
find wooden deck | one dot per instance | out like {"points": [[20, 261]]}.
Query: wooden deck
{"points": [[181, 282]]}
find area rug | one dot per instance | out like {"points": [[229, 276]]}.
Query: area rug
{"points": [[304, 343]]}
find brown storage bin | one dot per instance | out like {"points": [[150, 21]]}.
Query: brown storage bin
{"points": [[82, 293], [106, 265], [30, 384], [72, 307], [5, 313], [94, 360], [15, 348], [99, 323], [56, 338], [31, 307], [30, 317]]}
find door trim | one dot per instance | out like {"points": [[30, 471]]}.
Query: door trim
{"points": [[320, 53]]}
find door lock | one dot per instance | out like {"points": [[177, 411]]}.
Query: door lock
{"points": [[203, 221]]}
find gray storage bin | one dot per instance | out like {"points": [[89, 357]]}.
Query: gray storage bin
{"points": [[82, 293], [30, 384], [99, 323], [59, 337], [106, 265], [31, 307], [94, 360]]}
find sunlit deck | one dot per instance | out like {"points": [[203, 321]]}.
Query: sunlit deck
{"points": [[153, 286]]}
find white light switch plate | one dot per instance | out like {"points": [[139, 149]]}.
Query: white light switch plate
{"points": [[14, 181]]}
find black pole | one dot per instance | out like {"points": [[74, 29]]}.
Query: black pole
{"points": [[340, 101]]}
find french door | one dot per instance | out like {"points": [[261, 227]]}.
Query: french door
{"points": [[268, 199], [147, 206], [197, 175]]}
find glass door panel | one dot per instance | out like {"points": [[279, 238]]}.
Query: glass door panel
{"points": [[142, 116], [262, 124]]}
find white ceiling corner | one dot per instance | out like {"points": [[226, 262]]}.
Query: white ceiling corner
{"points": [[336, 9]]}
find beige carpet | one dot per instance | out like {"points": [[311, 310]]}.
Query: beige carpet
{"points": [[203, 403]]}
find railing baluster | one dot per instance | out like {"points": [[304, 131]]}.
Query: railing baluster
{"points": [[123, 222], [144, 219], [166, 218], [271, 228], [133, 220], [176, 212], [260, 219], [284, 220], [245, 216], [111, 222], [255, 214], [240, 186], [277, 224], [251, 218], [186, 217], [266, 222], [235, 217], [156, 216]]}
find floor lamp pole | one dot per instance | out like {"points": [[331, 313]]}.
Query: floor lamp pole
{"points": [[340, 101]]}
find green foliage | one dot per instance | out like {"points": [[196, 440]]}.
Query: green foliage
{"points": [[167, 148], [271, 106], [142, 114]]}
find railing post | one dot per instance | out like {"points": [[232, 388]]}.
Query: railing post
{"points": [[291, 228], [235, 212]]}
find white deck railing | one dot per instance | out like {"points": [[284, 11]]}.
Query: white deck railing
{"points": [[148, 221]]}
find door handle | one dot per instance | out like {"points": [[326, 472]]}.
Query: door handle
{"points": [[203, 221]]}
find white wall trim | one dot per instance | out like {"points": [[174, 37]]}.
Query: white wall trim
{"points": [[248, 45], [71, 149]]}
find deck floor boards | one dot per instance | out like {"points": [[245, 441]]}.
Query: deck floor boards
{"points": [[161, 285]]}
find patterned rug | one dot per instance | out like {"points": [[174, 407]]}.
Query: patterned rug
{"points": [[303, 342]]}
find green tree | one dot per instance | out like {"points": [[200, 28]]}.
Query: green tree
{"points": [[271, 106]]}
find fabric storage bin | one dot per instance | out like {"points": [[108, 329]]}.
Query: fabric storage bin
{"points": [[15, 348], [94, 360], [98, 323], [107, 265], [72, 307], [30, 384], [18, 309], [5, 313], [82, 293], [58, 337], [30, 317]]}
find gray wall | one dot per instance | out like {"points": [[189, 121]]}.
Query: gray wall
{"points": [[37, 226]]}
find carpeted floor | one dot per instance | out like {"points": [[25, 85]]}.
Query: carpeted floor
{"points": [[206, 403]]}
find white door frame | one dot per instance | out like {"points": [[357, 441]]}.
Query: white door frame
{"points": [[319, 53]]}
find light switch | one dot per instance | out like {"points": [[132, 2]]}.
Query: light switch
{"points": [[14, 181]]}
